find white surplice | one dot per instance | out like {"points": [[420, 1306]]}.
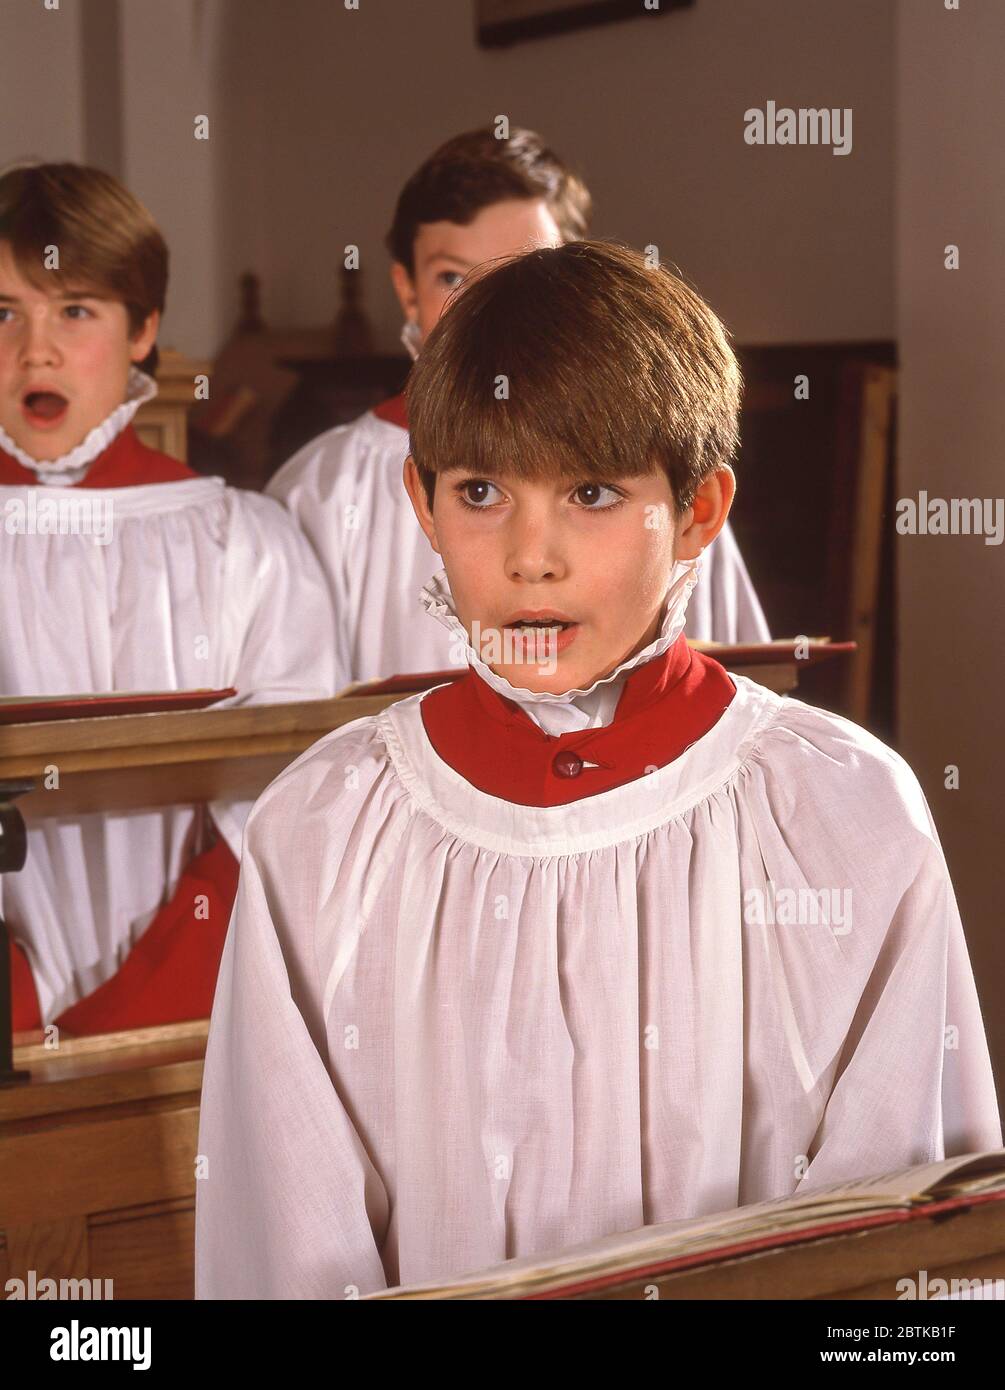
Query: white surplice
{"points": [[450, 1030], [201, 585], [346, 492]]}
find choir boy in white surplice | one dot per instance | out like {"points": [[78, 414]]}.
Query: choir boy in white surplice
{"points": [[156, 579], [473, 200], [597, 935]]}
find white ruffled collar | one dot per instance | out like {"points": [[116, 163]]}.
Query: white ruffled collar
{"points": [[592, 707], [72, 467]]}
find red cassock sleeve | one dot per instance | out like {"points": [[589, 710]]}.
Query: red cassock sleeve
{"points": [[170, 974], [25, 1013]]}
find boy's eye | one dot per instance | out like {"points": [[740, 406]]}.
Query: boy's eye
{"points": [[3, 314], [597, 490], [593, 501], [461, 490], [78, 311], [450, 278]]}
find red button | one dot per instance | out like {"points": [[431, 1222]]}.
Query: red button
{"points": [[567, 764]]}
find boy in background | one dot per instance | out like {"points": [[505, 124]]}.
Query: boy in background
{"points": [[119, 918], [475, 199]]}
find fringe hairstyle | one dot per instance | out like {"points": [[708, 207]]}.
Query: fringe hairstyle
{"points": [[108, 242], [612, 370], [474, 170]]}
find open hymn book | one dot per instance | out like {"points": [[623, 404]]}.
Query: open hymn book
{"points": [[856, 1205]]}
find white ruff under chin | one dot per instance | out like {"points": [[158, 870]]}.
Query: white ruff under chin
{"points": [[72, 467], [594, 707]]}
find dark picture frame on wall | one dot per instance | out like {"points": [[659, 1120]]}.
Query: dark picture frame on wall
{"points": [[502, 22]]}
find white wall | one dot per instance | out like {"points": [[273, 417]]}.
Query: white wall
{"points": [[318, 114], [119, 85], [788, 243], [41, 94], [951, 326], [169, 56]]}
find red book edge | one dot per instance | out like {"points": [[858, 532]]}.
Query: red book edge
{"points": [[166, 702], [769, 1242]]}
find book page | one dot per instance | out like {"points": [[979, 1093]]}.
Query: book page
{"points": [[626, 1250]]}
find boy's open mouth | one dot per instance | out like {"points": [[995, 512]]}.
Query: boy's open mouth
{"points": [[43, 409], [564, 630], [539, 622]]}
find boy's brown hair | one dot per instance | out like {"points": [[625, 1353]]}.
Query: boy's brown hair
{"points": [[108, 243], [612, 369], [474, 170]]}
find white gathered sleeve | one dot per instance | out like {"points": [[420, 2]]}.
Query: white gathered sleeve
{"points": [[867, 1007], [323, 499], [289, 1206], [278, 628], [914, 1083]]}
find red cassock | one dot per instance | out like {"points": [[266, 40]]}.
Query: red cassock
{"points": [[170, 974]]}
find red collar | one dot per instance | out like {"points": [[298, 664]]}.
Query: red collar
{"points": [[394, 411], [125, 463], [666, 705]]}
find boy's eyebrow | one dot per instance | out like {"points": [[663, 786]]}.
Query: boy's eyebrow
{"points": [[69, 294], [561, 480], [447, 256]]}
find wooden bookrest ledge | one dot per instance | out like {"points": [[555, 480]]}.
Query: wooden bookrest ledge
{"points": [[141, 760]]}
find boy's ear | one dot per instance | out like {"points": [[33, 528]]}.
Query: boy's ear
{"points": [[143, 340], [419, 500], [404, 288], [704, 519]]}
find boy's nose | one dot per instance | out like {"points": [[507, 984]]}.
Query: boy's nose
{"points": [[535, 549], [536, 559], [38, 348]]}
